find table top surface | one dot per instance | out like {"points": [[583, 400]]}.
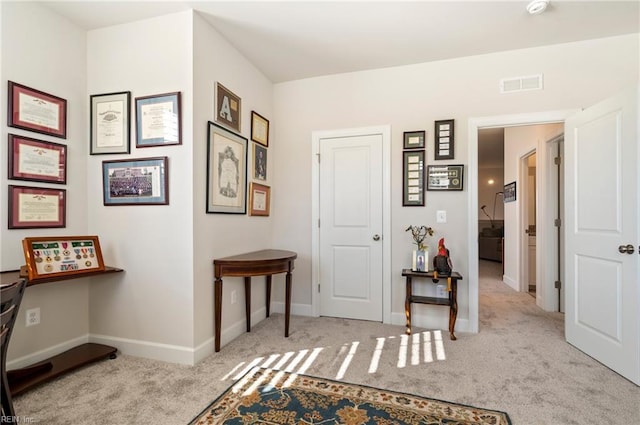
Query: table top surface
{"points": [[262, 255], [409, 272]]}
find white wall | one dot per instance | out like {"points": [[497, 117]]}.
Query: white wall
{"points": [[148, 309], [411, 98], [43, 51]]}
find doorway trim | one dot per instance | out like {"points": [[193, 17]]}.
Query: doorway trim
{"points": [[474, 124], [316, 137]]}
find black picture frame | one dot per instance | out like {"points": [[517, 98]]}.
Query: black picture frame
{"points": [[413, 167], [445, 177], [414, 139], [444, 137], [158, 120], [139, 181], [110, 121], [509, 194]]}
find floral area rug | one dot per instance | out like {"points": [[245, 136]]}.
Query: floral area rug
{"points": [[266, 396]]}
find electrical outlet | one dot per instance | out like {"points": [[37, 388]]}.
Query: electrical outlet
{"points": [[234, 297], [441, 291], [33, 317]]}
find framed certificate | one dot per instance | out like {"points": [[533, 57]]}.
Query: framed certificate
{"points": [[413, 178], [444, 139], [110, 123], [259, 129], [445, 177], [259, 199], [158, 120], [62, 256], [34, 110], [37, 160], [36, 207]]}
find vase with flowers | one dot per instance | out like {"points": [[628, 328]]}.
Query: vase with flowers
{"points": [[420, 261]]}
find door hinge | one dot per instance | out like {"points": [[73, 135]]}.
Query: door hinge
{"points": [[318, 156], [557, 160], [318, 223], [318, 288], [558, 284], [557, 222]]}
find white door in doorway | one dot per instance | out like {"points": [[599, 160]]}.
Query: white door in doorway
{"points": [[601, 212], [351, 173]]}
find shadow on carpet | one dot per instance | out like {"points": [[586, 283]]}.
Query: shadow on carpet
{"points": [[278, 397]]}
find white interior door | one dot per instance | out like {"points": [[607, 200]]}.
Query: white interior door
{"points": [[601, 210], [351, 227]]}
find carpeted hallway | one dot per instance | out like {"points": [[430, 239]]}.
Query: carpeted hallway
{"points": [[518, 363]]}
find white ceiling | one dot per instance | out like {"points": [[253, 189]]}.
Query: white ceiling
{"points": [[290, 40]]}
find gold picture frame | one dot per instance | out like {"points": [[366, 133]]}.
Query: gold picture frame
{"points": [[259, 199], [259, 129]]}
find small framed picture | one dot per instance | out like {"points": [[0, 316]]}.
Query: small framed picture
{"points": [[226, 171], [259, 199], [110, 123], [444, 139], [413, 178], [259, 129], [143, 181], [228, 108], [509, 192], [62, 256], [37, 160], [445, 177], [158, 120], [414, 139], [34, 110], [259, 162], [37, 207]]}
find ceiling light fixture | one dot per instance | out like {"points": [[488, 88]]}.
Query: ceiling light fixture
{"points": [[536, 7]]}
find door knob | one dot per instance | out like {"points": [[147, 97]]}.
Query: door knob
{"points": [[626, 249], [377, 238]]}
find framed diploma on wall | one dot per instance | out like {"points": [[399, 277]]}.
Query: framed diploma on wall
{"points": [[36, 207], [34, 110], [158, 120], [110, 123], [37, 160]]}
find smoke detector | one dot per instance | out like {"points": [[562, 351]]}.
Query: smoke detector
{"points": [[536, 7]]}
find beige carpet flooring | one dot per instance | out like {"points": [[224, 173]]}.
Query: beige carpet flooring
{"points": [[518, 363]]}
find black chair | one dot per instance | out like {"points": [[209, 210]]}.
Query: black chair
{"points": [[10, 298]]}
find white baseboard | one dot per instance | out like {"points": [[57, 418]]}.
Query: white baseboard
{"points": [[511, 282], [147, 349], [296, 309], [41, 355]]}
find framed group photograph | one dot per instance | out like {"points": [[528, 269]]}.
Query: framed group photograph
{"points": [[37, 207], [259, 199], [158, 120], [228, 108], [143, 181], [37, 160], [226, 171], [62, 256], [34, 110], [445, 177], [509, 192], [444, 139], [413, 178], [259, 129], [414, 139], [110, 119], [259, 162]]}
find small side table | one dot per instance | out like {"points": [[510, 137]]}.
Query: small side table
{"points": [[451, 301]]}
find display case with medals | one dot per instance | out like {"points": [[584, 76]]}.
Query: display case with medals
{"points": [[62, 256]]}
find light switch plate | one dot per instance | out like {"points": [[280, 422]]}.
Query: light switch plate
{"points": [[441, 216]]}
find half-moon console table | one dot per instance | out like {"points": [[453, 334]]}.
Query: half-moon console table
{"points": [[258, 263], [21, 380]]}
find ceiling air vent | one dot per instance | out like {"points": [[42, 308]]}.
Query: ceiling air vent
{"points": [[518, 84]]}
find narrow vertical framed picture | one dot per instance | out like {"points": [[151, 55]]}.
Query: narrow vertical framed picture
{"points": [[259, 129], [444, 137], [110, 120], [37, 207], [37, 160], [35, 110], [226, 171], [259, 199], [413, 169], [158, 120], [509, 194], [259, 162], [228, 108], [414, 139], [142, 181]]}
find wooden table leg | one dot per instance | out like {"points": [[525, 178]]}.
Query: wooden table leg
{"points": [[268, 295], [247, 301], [287, 305], [453, 308], [407, 304], [218, 314]]}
